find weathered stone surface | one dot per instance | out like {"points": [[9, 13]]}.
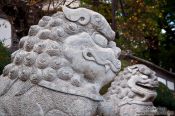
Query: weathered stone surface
{"points": [[61, 66]]}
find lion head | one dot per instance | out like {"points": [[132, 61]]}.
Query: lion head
{"points": [[71, 51], [132, 91], [136, 83]]}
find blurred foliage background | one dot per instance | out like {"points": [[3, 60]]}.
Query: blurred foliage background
{"points": [[4, 57], [165, 98]]}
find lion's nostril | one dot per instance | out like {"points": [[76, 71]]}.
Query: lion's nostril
{"points": [[82, 18], [155, 79]]}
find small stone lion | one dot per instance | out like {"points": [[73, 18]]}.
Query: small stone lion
{"points": [[131, 93]]}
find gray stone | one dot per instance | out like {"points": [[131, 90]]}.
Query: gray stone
{"points": [[62, 65]]}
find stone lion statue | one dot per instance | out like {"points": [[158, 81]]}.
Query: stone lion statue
{"points": [[131, 93], [61, 66]]}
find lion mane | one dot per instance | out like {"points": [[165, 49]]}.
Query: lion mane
{"points": [[40, 55]]}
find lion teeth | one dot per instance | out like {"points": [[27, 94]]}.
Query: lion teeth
{"points": [[107, 68]]}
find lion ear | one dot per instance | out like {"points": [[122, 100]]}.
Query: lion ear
{"points": [[80, 15]]}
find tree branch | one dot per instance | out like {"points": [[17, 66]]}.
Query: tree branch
{"points": [[121, 4], [62, 2], [49, 5], [71, 2]]}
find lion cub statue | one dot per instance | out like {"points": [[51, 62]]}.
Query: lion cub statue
{"points": [[131, 93], [62, 64]]}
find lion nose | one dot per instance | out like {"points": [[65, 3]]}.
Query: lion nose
{"points": [[154, 78], [116, 50], [155, 81]]}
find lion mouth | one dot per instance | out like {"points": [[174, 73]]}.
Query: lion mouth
{"points": [[147, 86], [114, 66]]}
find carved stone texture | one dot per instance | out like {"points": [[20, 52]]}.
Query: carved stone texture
{"points": [[61, 66], [131, 93]]}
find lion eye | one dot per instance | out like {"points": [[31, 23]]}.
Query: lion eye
{"points": [[89, 54]]}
